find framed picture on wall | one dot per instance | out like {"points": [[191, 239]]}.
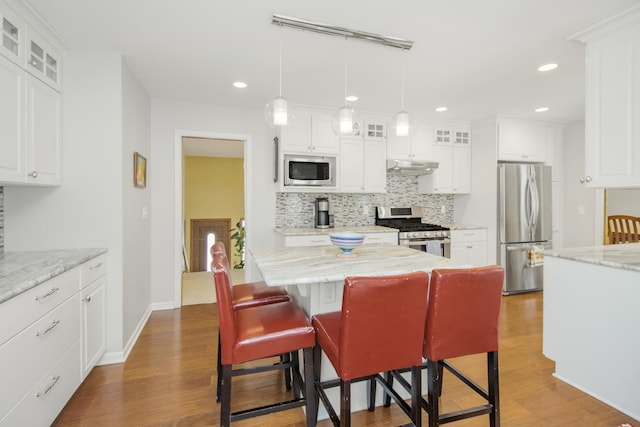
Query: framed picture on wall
{"points": [[139, 170]]}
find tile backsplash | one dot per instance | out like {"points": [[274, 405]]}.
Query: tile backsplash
{"points": [[296, 209], [1, 220]]}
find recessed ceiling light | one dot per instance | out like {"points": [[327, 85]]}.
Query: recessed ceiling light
{"points": [[541, 109], [547, 67], [351, 98], [441, 109], [240, 85]]}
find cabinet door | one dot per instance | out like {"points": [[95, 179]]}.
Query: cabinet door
{"points": [[520, 140], [443, 176], [296, 136], [323, 139], [43, 134], [612, 116], [375, 166], [553, 138], [43, 60], [351, 165], [11, 122], [398, 147], [93, 325], [469, 254], [461, 170], [422, 144], [12, 34]]}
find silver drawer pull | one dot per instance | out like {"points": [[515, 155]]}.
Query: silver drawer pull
{"points": [[49, 329], [48, 294], [98, 265], [54, 380], [87, 299]]}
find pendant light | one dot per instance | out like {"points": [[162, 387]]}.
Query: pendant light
{"points": [[277, 111], [403, 125], [342, 122]]}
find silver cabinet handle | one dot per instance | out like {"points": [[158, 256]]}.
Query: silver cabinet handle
{"points": [[587, 178], [87, 299], [54, 380], [98, 265], [48, 294], [33, 174], [49, 329]]}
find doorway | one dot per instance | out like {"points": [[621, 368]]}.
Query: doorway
{"points": [[212, 187]]}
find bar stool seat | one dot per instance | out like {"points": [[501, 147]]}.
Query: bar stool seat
{"points": [[380, 328], [258, 333]]}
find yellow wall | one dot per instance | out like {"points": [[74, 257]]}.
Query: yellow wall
{"points": [[213, 189]]}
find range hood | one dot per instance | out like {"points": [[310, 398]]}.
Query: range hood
{"points": [[408, 167]]}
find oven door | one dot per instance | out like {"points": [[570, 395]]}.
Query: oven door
{"points": [[438, 246]]}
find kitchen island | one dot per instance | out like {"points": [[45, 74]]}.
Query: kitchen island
{"points": [[591, 326], [314, 277]]}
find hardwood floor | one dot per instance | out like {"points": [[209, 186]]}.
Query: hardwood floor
{"points": [[169, 380]]}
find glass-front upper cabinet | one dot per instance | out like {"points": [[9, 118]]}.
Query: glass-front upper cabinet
{"points": [[43, 60], [12, 33]]}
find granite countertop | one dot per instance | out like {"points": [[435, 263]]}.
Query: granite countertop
{"points": [[21, 271], [624, 256], [464, 226], [318, 264], [311, 231]]}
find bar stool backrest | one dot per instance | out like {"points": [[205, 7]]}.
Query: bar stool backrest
{"points": [[463, 312], [382, 323], [224, 298]]}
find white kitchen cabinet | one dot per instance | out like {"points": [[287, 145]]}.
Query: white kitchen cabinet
{"points": [[612, 114], [43, 330], [43, 134], [363, 165], [12, 31], [418, 147], [93, 302], [309, 133], [521, 140], [469, 247], [11, 122], [452, 151], [43, 60]]}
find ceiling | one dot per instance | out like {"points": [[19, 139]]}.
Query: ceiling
{"points": [[476, 57]]}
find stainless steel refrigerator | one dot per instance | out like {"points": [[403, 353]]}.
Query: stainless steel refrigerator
{"points": [[524, 224]]}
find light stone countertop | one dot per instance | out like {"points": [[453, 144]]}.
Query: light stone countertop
{"points": [[318, 264], [624, 256], [311, 231], [21, 271], [464, 226]]}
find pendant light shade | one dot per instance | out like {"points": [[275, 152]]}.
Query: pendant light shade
{"points": [[403, 125], [343, 122], [277, 112]]}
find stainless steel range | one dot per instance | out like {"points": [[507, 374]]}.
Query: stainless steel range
{"points": [[413, 232]]}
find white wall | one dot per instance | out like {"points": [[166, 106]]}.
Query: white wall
{"points": [[86, 211], [623, 201], [481, 206], [579, 201], [171, 118], [136, 283]]}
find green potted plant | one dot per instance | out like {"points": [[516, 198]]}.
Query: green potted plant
{"points": [[238, 244]]}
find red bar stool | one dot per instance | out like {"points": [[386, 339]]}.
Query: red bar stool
{"points": [[247, 295], [462, 319], [380, 328], [257, 333]]}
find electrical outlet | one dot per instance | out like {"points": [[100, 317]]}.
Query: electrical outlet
{"points": [[443, 209], [365, 210], [329, 292]]}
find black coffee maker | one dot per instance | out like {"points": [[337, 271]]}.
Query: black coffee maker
{"points": [[322, 216]]}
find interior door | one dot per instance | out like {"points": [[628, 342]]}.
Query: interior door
{"points": [[200, 230]]}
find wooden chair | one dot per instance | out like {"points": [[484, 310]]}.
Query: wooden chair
{"points": [[623, 229]]}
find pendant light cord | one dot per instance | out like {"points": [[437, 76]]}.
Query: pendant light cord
{"points": [[402, 101], [345, 71], [280, 64]]}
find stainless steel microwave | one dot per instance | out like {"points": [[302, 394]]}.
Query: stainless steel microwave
{"points": [[315, 171]]}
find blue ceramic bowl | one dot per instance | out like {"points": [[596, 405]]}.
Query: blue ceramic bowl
{"points": [[346, 241]]}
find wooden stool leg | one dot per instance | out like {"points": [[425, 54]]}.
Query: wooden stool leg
{"points": [[345, 403], [225, 398], [386, 397], [432, 393], [286, 358], [317, 362], [294, 366], [494, 388], [371, 395], [309, 388], [219, 370], [416, 395]]}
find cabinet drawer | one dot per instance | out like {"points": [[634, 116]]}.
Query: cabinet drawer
{"points": [[391, 238], [92, 269], [28, 355], [44, 401], [22, 310], [474, 235], [315, 240]]}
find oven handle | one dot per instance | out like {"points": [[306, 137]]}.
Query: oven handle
{"points": [[423, 242]]}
